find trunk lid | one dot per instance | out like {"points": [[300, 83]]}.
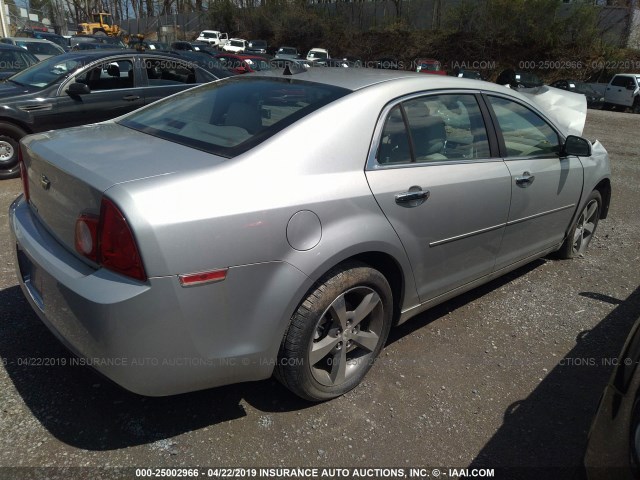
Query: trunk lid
{"points": [[69, 170]]}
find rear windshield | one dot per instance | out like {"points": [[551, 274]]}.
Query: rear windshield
{"points": [[231, 116]]}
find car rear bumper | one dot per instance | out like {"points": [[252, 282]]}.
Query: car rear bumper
{"points": [[156, 338]]}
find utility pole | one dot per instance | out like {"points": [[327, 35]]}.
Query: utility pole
{"points": [[5, 33]]}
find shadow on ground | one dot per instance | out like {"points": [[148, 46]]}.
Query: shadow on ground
{"points": [[83, 409], [551, 425]]}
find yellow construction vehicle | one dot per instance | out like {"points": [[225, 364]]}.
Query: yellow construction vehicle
{"points": [[101, 24]]}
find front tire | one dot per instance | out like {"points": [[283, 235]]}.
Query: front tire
{"points": [[336, 333], [583, 229], [10, 136]]}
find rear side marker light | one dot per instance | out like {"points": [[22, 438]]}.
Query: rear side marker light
{"points": [[193, 279]]}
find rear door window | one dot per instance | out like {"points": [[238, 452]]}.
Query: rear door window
{"points": [[434, 128]]}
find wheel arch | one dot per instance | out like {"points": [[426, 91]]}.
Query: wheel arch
{"points": [[387, 264], [16, 123], [390, 268]]}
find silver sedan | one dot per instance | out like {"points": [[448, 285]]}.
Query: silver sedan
{"points": [[282, 223]]}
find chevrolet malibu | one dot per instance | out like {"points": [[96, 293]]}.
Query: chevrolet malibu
{"points": [[282, 223]]}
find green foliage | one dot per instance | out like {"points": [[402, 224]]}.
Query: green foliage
{"points": [[498, 33]]}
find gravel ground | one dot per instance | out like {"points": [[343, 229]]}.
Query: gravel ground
{"points": [[506, 375]]}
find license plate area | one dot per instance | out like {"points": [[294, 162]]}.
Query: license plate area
{"points": [[32, 278]]}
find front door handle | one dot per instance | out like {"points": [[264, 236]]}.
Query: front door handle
{"points": [[525, 180], [413, 197], [130, 98]]}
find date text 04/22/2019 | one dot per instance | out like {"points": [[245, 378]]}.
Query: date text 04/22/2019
{"points": [[312, 472]]}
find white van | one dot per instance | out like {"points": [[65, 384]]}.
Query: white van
{"points": [[213, 38], [623, 91]]}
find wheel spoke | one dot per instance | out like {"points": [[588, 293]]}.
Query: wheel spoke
{"points": [[321, 349], [366, 306], [577, 236], [591, 211], [339, 367], [338, 311], [588, 229], [367, 340]]}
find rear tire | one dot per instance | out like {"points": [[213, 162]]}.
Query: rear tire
{"points": [[583, 229], [10, 136], [336, 333]]}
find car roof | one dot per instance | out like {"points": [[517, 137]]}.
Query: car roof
{"points": [[38, 32], [359, 78], [91, 55], [29, 39], [9, 46]]}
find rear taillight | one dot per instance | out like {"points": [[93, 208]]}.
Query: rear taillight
{"points": [[118, 248], [23, 175], [108, 241]]}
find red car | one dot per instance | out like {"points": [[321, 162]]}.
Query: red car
{"points": [[429, 65], [243, 63]]}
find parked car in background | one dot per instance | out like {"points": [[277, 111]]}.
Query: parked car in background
{"points": [[52, 37], [83, 87], [211, 64], [594, 99], [239, 64], [148, 45], [429, 65], [316, 54], [205, 227], [257, 46], [518, 79], [213, 37], [42, 49], [623, 92], [14, 59], [95, 46], [613, 446], [78, 39], [473, 74], [235, 45], [332, 62], [287, 53], [194, 46]]}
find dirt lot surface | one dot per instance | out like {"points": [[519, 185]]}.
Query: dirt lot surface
{"points": [[497, 377]]}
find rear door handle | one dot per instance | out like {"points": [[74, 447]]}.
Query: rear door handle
{"points": [[412, 198], [525, 180], [130, 98]]}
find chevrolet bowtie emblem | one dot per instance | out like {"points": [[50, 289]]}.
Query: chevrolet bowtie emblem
{"points": [[45, 183]]}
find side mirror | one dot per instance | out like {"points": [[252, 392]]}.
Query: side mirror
{"points": [[631, 86], [78, 88], [578, 146]]}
